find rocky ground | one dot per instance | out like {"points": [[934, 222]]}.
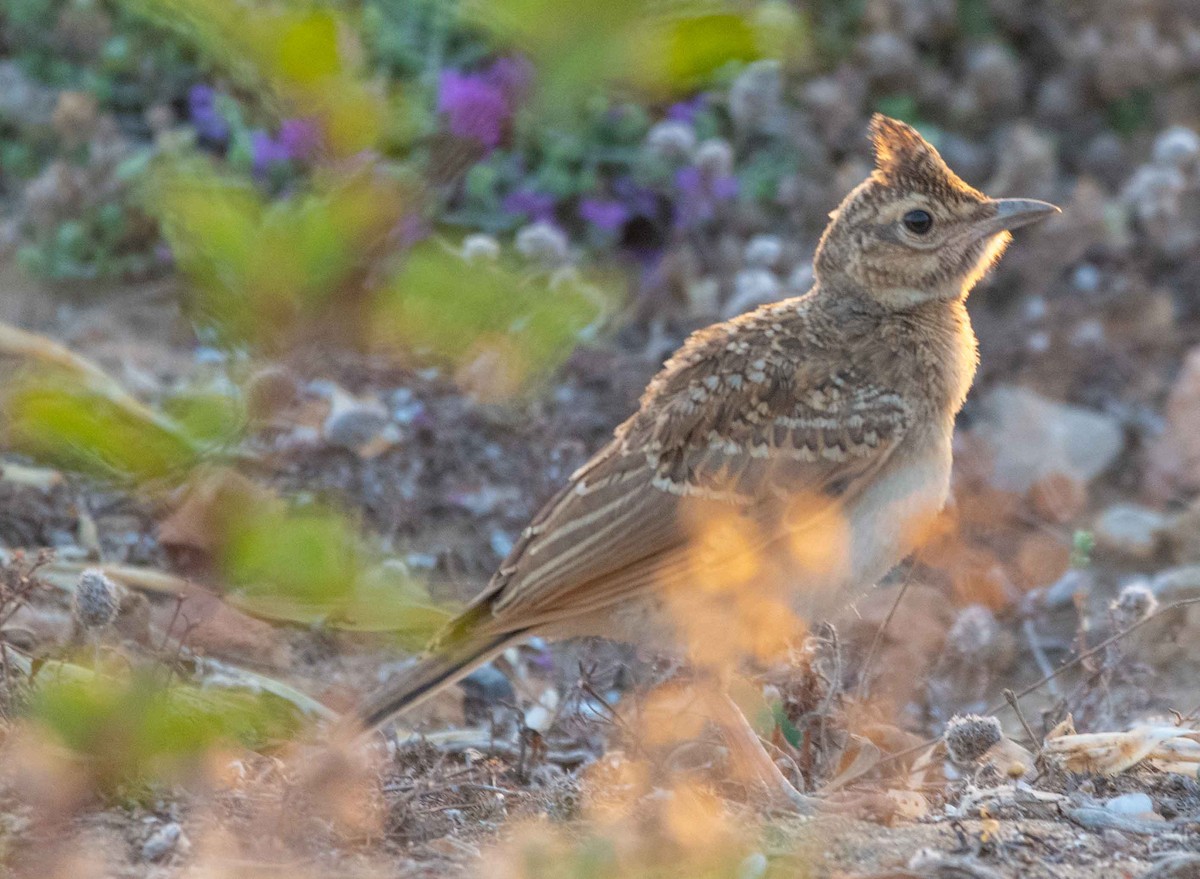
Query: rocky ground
{"points": [[1065, 570]]}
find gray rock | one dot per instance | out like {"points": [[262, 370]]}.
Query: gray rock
{"points": [[1135, 805], [1129, 530], [1176, 584], [1062, 594], [1032, 437], [163, 842], [352, 423]]}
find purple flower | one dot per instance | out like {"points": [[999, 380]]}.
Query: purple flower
{"points": [[210, 125], [513, 75], [411, 230], [530, 204], [606, 215], [641, 201], [266, 153], [299, 138], [686, 111], [700, 195], [475, 106]]}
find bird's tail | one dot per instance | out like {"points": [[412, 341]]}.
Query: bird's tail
{"points": [[455, 654]]}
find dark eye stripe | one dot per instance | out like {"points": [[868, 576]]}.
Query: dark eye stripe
{"points": [[918, 221]]}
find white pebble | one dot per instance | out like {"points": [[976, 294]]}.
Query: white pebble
{"points": [[715, 157], [480, 248], [1176, 147], [671, 140], [1137, 805], [763, 251], [162, 842]]}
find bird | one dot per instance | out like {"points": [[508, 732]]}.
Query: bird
{"points": [[780, 462]]}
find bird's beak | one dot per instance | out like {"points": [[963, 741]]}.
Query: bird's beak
{"points": [[1013, 213]]}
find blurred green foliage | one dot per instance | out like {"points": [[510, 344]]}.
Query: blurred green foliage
{"points": [[56, 419], [516, 325], [658, 48], [300, 55], [304, 564], [260, 269], [135, 730]]}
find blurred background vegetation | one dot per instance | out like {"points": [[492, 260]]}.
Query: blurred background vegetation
{"points": [[420, 255]]}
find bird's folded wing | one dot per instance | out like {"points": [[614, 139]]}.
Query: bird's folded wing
{"points": [[627, 519]]}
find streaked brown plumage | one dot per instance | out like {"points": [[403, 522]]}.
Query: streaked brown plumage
{"points": [[828, 415]]}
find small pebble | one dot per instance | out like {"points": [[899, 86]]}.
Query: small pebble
{"points": [[480, 248], [671, 140], [351, 424], [167, 839], [764, 251], [1136, 805]]}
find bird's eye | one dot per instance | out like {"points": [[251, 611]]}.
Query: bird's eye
{"points": [[918, 222]]}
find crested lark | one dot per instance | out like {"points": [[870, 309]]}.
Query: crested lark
{"points": [[793, 454]]}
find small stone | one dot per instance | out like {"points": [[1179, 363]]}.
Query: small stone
{"points": [[751, 288], [1063, 592], [1042, 559], [764, 251], [671, 140], [1135, 805], [1032, 437], [269, 391], [480, 248], [75, 117], [1086, 278], [969, 736], [1182, 536], [1058, 498], [353, 423], [1175, 458], [165, 841], [1177, 147], [1176, 584], [1131, 531]]}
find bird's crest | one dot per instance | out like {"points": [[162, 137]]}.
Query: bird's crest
{"points": [[903, 156]]}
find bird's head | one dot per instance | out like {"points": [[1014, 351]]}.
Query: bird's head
{"points": [[914, 231]]}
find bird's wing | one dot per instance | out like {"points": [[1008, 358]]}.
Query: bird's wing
{"points": [[770, 456]]}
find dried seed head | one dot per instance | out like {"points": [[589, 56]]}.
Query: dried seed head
{"points": [[97, 600], [969, 736], [974, 631], [714, 158], [1134, 603], [480, 248], [671, 140], [542, 242]]}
